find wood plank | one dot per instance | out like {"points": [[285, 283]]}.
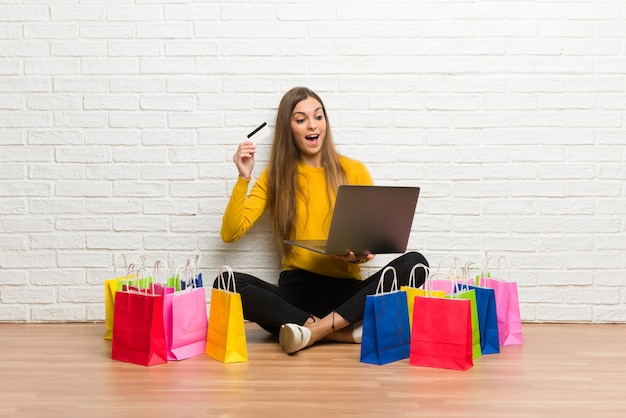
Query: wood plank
{"points": [[562, 370]]}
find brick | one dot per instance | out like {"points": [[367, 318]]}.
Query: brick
{"points": [[83, 188], [112, 137], [61, 206], [15, 119], [193, 12], [14, 313], [170, 102], [127, 48], [57, 277], [20, 294], [564, 313], [205, 48], [139, 189], [142, 84], [109, 102], [194, 84], [110, 66], [82, 259], [79, 295], [55, 137], [60, 66], [112, 172], [59, 313], [137, 13], [58, 172], [70, 119], [169, 30], [12, 13], [13, 242], [113, 206], [179, 137], [71, 13], [107, 31], [80, 85], [57, 241], [25, 224], [10, 67], [15, 206], [83, 154]]}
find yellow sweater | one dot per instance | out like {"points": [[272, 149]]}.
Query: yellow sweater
{"points": [[313, 215]]}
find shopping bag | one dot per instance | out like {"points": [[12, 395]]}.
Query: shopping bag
{"points": [[442, 333], [190, 263], [412, 291], [138, 332], [188, 323], [441, 282], [507, 306], [465, 293], [386, 334], [443, 278], [110, 287], [487, 319], [226, 334]]}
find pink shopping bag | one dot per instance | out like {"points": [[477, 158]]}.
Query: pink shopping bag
{"points": [[507, 306], [184, 317]]}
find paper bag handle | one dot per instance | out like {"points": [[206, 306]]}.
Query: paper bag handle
{"points": [[115, 263], [412, 274], [225, 284], [184, 274], [505, 261], [469, 267], [394, 283], [456, 262], [140, 273]]}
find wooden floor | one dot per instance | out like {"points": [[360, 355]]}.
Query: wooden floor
{"points": [[65, 370]]}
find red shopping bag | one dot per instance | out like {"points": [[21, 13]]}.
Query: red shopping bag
{"points": [[412, 291], [138, 332], [442, 333]]}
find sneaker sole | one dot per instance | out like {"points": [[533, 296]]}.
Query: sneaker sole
{"points": [[286, 339]]}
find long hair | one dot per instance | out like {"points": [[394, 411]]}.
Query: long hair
{"points": [[283, 166]]}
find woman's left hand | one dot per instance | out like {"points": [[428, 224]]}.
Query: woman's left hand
{"points": [[353, 258]]}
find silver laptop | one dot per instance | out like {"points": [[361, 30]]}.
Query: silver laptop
{"points": [[368, 219]]}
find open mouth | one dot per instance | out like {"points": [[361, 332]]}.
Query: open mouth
{"points": [[312, 138]]}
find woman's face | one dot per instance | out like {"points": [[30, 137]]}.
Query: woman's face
{"points": [[308, 126]]}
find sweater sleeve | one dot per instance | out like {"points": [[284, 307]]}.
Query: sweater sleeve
{"points": [[242, 210]]}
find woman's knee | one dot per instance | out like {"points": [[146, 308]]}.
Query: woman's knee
{"points": [[413, 257], [240, 280]]}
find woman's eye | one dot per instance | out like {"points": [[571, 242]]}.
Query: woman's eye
{"points": [[299, 120], [319, 117]]}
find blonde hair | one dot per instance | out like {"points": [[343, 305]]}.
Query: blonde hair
{"points": [[283, 166]]}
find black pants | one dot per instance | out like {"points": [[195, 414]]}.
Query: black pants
{"points": [[300, 294]]}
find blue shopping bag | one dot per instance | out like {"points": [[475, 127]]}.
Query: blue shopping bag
{"points": [[487, 319], [386, 331]]}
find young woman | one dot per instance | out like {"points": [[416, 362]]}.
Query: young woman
{"points": [[318, 297]]}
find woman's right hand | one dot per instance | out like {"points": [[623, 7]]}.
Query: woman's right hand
{"points": [[244, 159]]}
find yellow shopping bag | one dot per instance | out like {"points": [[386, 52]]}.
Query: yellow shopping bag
{"points": [[110, 287], [226, 335], [412, 291]]}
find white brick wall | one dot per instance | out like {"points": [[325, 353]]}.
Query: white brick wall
{"points": [[118, 123]]}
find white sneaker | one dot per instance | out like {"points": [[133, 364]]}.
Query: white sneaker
{"points": [[357, 332], [293, 337]]}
